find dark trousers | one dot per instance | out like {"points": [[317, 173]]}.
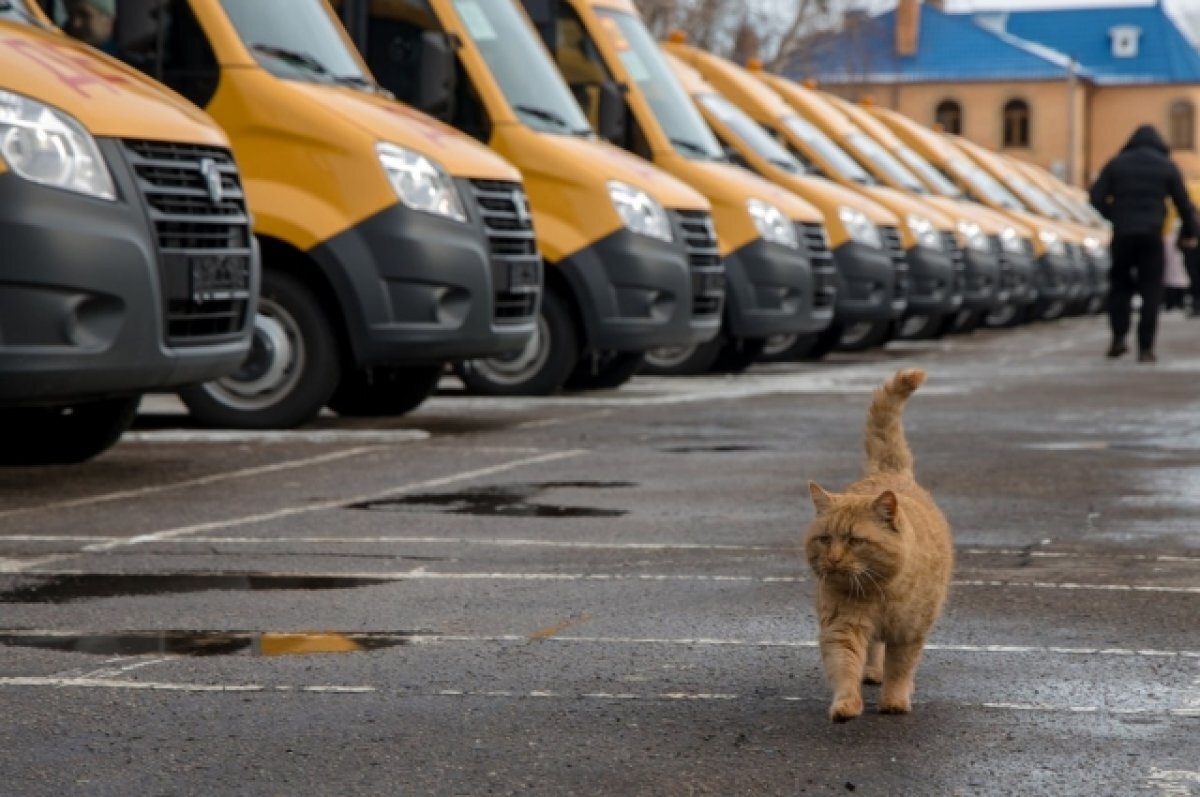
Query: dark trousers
{"points": [[1191, 261], [1137, 265]]}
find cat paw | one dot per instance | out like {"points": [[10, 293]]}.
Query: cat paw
{"points": [[846, 709], [895, 705], [873, 676]]}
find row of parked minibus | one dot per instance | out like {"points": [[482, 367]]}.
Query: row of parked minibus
{"points": [[276, 206]]}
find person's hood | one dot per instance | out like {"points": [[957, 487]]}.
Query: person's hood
{"points": [[1147, 137]]}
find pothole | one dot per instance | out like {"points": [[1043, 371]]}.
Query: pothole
{"points": [[502, 501], [209, 643], [67, 588]]}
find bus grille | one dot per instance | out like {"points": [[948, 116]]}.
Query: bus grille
{"points": [[516, 261], [194, 197], [894, 244], [821, 261], [704, 260]]}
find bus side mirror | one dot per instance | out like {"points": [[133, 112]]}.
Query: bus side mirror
{"points": [[613, 113], [435, 94]]}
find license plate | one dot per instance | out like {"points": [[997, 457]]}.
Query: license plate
{"points": [[523, 276], [217, 278]]}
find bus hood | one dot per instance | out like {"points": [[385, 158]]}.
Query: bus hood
{"points": [[107, 97]]}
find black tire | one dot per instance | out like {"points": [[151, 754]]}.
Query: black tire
{"points": [[921, 327], [683, 360], [63, 435], [292, 370], [541, 368], [824, 342], [866, 335], [1007, 317], [1049, 309], [786, 348], [738, 354], [964, 322], [384, 391], [606, 370]]}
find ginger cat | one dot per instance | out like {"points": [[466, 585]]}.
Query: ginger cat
{"points": [[882, 554]]}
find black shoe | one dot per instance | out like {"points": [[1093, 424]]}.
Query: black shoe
{"points": [[1116, 350], [1147, 357]]}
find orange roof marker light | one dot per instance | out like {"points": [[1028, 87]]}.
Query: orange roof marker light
{"points": [[754, 64], [677, 36], [810, 83], [867, 101]]}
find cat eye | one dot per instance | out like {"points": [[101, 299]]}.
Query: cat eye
{"points": [[857, 540], [824, 539]]}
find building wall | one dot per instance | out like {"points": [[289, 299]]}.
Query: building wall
{"points": [[1118, 110]]}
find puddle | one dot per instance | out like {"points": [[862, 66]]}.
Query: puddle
{"points": [[64, 589], [501, 501], [209, 643], [712, 449]]}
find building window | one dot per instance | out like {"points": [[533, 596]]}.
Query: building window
{"points": [[949, 116], [1182, 125], [1016, 123]]}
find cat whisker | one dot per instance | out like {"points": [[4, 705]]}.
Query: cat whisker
{"points": [[867, 572]]}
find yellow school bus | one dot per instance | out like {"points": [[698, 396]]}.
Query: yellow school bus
{"points": [[1054, 265], [987, 235], [631, 258], [868, 272], [1080, 243], [935, 258], [129, 266], [770, 282], [391, 243]]}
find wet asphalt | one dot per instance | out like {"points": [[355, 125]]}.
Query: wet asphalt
{"points": [[604, 594]]}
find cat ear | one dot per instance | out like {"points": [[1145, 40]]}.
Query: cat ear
{"points": [[885, 507], [822, 500]]}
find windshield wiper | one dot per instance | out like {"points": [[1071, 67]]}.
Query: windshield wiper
{"points": [[693, 147], [545, 115], [358, 82], [293, 57], [786, 165]]}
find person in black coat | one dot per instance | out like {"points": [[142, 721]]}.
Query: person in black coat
{"points": [[1131, 192]]}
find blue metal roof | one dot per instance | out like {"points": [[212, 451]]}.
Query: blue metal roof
{"points": [[1164, 55], [952, 48]]}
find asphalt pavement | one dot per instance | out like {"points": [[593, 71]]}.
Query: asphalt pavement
{"points": [[605, 594]]}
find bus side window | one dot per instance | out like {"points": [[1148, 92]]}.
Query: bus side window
{"points": [[160, 37], [580, 62], [393, 53]]}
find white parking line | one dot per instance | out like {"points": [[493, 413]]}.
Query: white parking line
{"points": [[1174, 782], [283, 436], [337, 503], [424, 574], [498, 542], [142, 492], [542, 694]]}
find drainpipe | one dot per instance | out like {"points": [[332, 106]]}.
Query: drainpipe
{"points": [[1072, 122]]}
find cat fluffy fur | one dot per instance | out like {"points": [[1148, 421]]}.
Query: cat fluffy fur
{"points": [[882, 553]]}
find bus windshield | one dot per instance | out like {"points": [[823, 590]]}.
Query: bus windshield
{"points": [[826, 150], [671, 105], [19, 11], [751, 133], [1041, 203], [983, 184], [296, 40], [930, 173], [515, 56], [871, 150]]}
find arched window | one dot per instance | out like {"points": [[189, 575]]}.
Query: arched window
{"points": [[949, 116], [1182, 125], [1016, 123]]}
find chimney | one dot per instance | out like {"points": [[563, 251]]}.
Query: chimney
{"points": [[908, 26]]}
